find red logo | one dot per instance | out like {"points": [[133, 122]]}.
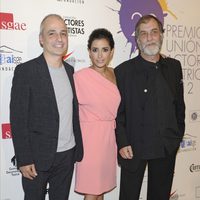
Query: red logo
{"points": [[7, 22], [6, 131]]}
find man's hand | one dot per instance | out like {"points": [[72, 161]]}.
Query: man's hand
{"points": [[126, 152], [28, 171]]}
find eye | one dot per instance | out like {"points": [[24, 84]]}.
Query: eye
{"points": [[51, 33], [64, 34], [143, 34], [94, 50], [154, 32], [106, 49]]}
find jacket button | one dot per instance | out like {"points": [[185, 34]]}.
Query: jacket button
{"points": [[145, 90]]}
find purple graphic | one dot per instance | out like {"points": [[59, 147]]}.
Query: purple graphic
{"points": [[131, 11]]}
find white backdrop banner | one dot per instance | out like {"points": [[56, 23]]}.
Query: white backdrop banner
{"points": [[19, 29]]}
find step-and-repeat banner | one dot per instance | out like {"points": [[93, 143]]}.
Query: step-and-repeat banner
{"points": [[19, 29]]}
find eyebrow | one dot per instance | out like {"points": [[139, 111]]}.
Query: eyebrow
{"points": [[150, 30], [107, 47], [53, 30]]}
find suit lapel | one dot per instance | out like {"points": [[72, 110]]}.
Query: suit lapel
{"points": [[44, 74]]}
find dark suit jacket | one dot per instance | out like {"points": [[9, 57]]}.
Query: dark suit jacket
{"points": [[130, 116], [34, 115]]}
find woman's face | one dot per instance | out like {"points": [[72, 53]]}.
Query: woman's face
{"points": [[100, 53]]}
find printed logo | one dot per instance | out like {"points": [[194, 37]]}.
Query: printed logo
{"points": [[72, 1], [7, 22], [12, 170], [8, 57], [197, 192], [174, 196], [75, 26], [195, 116], [69, 60], [72, 60], [188, 143], [6, 131], [132, 10], [194, 168], [13, 161]]}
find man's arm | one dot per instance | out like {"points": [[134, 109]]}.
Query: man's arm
{"points": [[19, 108], [124, 147], [180, 105]]}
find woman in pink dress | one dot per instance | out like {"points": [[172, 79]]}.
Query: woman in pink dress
{"points": [[98, 99]]}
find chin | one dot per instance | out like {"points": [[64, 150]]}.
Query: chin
{"points": [[151, 51], [101, 65]]}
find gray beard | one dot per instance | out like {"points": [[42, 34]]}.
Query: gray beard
{"points": [[151, 52]]}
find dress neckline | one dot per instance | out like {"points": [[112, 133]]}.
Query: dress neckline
{"points": [[91, 69]]}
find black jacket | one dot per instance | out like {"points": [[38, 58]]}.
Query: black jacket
{"points": [[134, 120], [34, 115]]}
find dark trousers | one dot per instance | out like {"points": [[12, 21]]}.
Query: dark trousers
{"points": [[160, 178], [58, 177]]}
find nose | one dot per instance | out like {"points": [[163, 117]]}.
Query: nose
{"points": [[149, 36], [99, 54], [59, 37]]}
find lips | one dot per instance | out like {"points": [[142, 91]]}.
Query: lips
{"points": [[100, 61], [59, 46], [151, 44]]}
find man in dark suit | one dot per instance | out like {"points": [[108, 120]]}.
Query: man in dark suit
{"points": [[150, 121], [44, 117]]}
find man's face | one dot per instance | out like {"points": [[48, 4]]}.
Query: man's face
{"points": [[150, 38], [54, 37]]}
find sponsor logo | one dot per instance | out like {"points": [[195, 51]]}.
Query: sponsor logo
{"points": [[9, 57], [194, 168], [7, 22], [72, 1], [75, 26], [195, 116], [197, 192], [13, 161], [130, 12], [70, 59], [12, 170], [189, 143], [6, 131], [175, 196]]}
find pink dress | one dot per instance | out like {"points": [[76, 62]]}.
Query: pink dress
{"points": [[98, 103]]}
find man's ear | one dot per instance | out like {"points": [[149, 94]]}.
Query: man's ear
{"points": [[41, 40]]}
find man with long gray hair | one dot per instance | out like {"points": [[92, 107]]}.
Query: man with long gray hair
{"points": [[150, 121]]}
